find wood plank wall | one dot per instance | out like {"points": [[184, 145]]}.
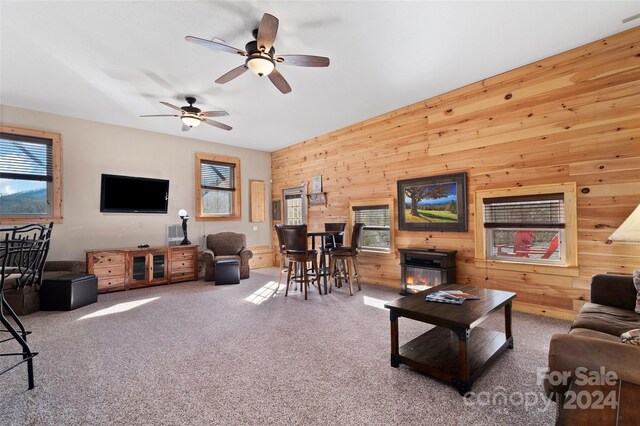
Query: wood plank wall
{"points": [[573, 117]]}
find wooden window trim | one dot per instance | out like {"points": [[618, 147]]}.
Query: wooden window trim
{"points": [[391, 203], [56, 184], [570, 268], [237, 194]]}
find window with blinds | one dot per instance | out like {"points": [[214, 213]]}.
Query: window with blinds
{"points": [[376, 232], [26, 175], [526, 228], [218, 187]]}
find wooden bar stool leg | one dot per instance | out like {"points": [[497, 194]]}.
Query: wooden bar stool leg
{"points": [[305, 278], [332, 264], [315, 267], [348, 262], [355, 267], [286, 292]]}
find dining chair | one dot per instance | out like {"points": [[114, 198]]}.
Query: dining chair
{"points": [[298, 255], [341, 259]]}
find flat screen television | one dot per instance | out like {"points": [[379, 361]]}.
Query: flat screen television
{"points": [[127, 194]]}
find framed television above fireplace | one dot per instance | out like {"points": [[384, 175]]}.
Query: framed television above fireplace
{"points": [[128, 194]]}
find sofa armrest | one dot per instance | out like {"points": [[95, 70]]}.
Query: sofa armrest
{"points": [[567, 353], [74, 266], [614, 290], [207, 257], [245, 255]]}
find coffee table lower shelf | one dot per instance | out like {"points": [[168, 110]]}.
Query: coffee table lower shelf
{"points": [[434, 353]]}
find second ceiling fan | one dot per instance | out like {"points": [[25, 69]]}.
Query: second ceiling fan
{"points": [[260, 55]]}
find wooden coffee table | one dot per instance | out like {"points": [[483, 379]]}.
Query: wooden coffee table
{"points": [[456, 350]]}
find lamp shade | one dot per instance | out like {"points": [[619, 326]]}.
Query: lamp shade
{"points": [[190, 120], [629, 231], [260, 65], [182, 213]]}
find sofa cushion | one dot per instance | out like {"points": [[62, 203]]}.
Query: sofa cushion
{"points": [[227, 257], [606, 319], [592, 334], [636, 283]]}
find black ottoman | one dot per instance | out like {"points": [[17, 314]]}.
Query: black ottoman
{"points": [[227, 271], [68, 291]]}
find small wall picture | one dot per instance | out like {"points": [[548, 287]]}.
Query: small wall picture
{"points": [[317, 199], [316, 184], [276, 210], [436, 203]]}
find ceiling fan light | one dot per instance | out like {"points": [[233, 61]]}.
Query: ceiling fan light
{"points": [[190, 120], [260, 65]]}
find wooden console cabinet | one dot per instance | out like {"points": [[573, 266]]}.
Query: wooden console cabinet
{"points": [[126, 268]]}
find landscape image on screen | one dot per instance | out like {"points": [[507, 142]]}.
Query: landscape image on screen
{"points": [[431, 203]]}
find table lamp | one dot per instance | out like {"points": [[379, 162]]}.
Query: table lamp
{"points": [[629, 231], [185, 217]]}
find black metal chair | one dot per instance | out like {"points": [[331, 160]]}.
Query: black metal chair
{"points": [[338, 239], [299, 254], [342, 258], [23, 252]]}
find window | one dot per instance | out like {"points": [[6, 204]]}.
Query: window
{"points": [[30, 176], [377, 216], [295, 206], [218, 187], [527, 225]]}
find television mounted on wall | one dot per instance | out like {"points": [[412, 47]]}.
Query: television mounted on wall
{"points": [[128, 194]]}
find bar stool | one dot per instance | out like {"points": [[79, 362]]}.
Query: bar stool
{"points": [[298, 255], [338, 239], [342, 258], [281, 248]]}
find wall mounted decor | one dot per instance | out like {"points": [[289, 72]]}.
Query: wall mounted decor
{"points": [[276, 211], [436, 203], [316, 184], [317, 199]]}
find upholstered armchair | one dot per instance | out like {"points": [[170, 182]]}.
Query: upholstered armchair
{"points": [[226, 245]]}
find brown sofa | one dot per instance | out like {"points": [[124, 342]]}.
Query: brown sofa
{"points": [[594, 338], [226, 245]]}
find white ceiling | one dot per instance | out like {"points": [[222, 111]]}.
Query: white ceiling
{"points": [[111, 61]]}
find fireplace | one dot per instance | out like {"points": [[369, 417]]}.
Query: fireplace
{"points": [[425, 268]]}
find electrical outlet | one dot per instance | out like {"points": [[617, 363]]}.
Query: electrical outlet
{"points": [[315, 225], [255, 227]]}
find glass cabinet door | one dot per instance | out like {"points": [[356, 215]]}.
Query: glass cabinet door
{"points": [[158, 262], [139, 268]]}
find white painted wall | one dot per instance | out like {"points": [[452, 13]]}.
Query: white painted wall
{"points": [[90, 149]]}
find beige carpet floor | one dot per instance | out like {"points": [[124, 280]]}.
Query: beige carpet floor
{"points": [[197, 354]]}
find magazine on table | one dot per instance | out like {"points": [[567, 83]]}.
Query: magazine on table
{"points": [[455, 297]]}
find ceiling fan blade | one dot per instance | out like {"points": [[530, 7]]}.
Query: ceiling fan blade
{"points": [[218, 124], [267, 31], [185, 128], [214, 113], [170, 106], [160, 115], [278, 80], [238, 71], [215, 45], [303, 60]]}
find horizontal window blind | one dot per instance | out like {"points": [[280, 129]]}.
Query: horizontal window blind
{"points": [[373, 217], [218, 176], [25, 158], [530, 211]]}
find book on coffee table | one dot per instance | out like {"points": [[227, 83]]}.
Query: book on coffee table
{"points": [[454, 297]]}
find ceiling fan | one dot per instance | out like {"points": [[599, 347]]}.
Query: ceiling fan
{"points": [[192, 116], [261, 58]]}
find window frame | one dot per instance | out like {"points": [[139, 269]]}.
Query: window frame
{"points": [[569, 245], [236, 213], [54, 188], [390, 203]]}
